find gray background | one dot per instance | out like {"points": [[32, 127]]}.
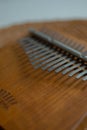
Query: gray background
{"points": [[20, 11]]}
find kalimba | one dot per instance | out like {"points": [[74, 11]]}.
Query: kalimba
{"points": [[43, 76]]}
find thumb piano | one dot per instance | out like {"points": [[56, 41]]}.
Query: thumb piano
{"points": [[43, 76]]}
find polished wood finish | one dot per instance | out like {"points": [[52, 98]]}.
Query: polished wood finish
{"points": [[34, 99]]}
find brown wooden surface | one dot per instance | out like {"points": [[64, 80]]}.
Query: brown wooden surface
{"points": [[34, 99]]}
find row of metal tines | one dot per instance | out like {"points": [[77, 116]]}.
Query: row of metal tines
{"points": [[43, 55]]}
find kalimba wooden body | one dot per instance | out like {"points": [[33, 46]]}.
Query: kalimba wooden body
{"points": [[33, 99]]}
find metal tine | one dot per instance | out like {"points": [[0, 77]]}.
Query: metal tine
{"points": [[51, 59], [33, 43], [77, 47], [38, 47], [57, 36], [44, 53], [58, 44], [46, 31], [35, 58], [30, 44], [44, 58], [53, 62], [80, 48], [39, 56], [74, 45], [44, 47], [28, 51], [81, 74], [64, 66], [76, 71], [68, 41], [32, 47], [62, 39], [52, 34], [85, 52], [25, 40], [71, 43], [39, 52], [71, 68], [43, 30], [58, 65], [84, 78]]}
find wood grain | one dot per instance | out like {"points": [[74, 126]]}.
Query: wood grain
{"points": [[34, 99]]}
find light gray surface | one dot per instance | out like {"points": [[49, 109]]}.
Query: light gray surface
{"points": [[16, 11]]}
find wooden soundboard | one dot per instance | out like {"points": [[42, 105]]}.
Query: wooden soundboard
{"points": [[34, 99]]}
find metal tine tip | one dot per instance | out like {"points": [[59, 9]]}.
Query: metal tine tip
{"points": [[76, 71], [80, 48], [59, 44], [71, 68], [53, 62], [58, 65], [81, 74], [84, 78], [75, 45], [69, 42], [66, 40], [64, 66]]}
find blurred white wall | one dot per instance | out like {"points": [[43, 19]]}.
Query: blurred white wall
{"points": [[16, 11]]}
